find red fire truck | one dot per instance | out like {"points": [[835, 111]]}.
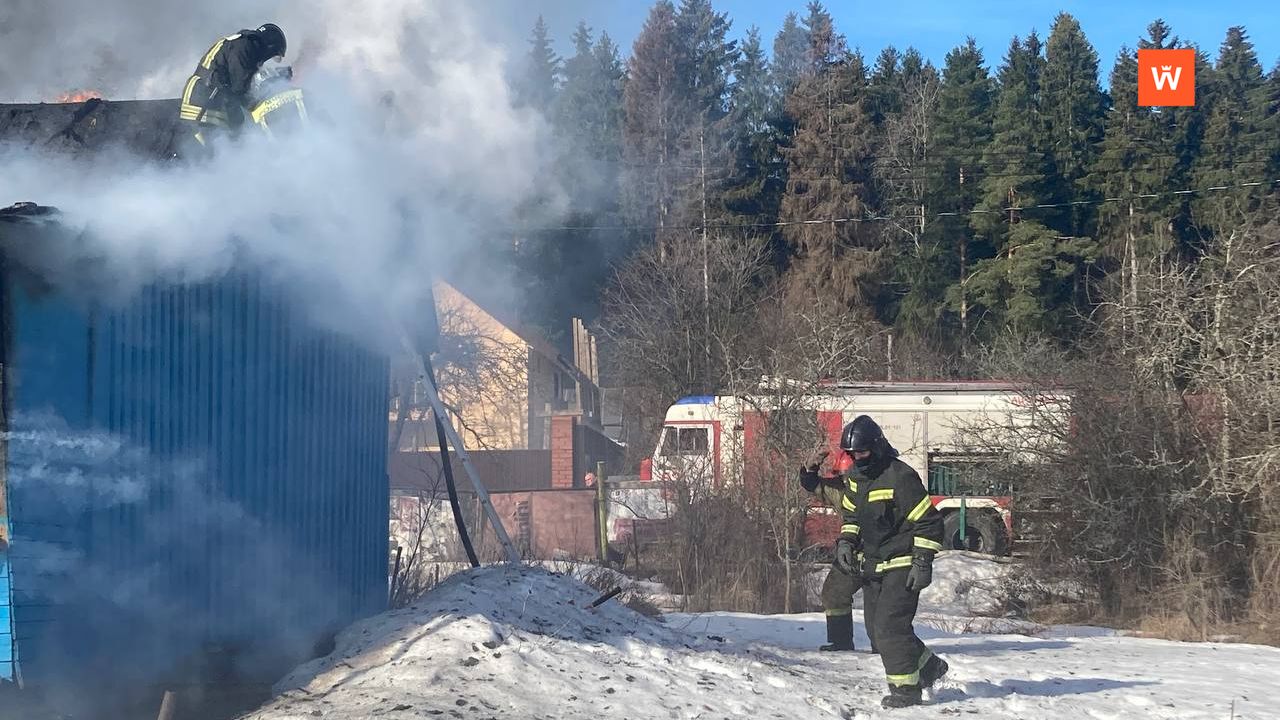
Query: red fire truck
{"points": [[948, 431]]}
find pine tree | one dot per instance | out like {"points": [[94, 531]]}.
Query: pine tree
{"points": [[1236, 148], [540, 80], [1179, 132], [1017, 169], [609, 76], [1073, 107], [790, 54]]}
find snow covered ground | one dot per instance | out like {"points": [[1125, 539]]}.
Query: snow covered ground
{"points": [[523, 643]]}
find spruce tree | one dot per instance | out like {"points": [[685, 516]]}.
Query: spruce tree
{"points": [[790, 54], [1272, 129], [1073, 106], [754, 189], [907, 160], [1028, 286], [705, 60], [826, 46], [589, 120], [541, 77], [1236, 148], [653, 123], [884, 91], [829, 174], [961, 130], [562, 270], [914, 67], [1139, 162]]}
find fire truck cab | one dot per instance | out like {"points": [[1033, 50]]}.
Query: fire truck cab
{"points": [[949, 432]]}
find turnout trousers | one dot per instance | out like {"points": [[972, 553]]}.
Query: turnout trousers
{"points": [[889, 610], [838, 590], [837, 601]]}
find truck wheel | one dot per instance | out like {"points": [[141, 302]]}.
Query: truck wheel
{"points": [[984, 533]]}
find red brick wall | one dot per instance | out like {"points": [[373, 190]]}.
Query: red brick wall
{"points": [[559, 524], [563, 471]]}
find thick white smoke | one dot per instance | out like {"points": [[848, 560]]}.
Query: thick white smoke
{"points": [[413, 126]]}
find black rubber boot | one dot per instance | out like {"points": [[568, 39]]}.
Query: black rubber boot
{"points": [[900, 697], [934, 669], [839, 634]]}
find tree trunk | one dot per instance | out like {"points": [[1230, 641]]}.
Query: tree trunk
{"points": [[706, 273]]}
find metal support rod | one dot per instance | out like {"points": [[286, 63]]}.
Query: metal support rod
{"points": [[168, 706], [439, 409], [964, 521]]}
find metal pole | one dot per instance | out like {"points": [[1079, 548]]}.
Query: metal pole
{"points": [[602, 514], [963, 525], [439, 409]]}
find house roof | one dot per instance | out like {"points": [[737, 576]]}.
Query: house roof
{"points": [[531, 337]]}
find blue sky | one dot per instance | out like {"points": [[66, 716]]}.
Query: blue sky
{"points": [[934, 26]]}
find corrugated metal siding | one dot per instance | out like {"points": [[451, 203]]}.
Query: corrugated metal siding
{"points": [[265, 516], [6, 611]]}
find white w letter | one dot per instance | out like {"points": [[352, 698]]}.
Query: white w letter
{"points": [[1166, 74]]}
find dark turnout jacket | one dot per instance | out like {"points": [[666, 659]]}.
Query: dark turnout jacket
{"points": [[217, 92], [831, 490], [889, 514]]}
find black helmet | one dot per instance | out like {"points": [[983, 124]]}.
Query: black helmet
{"points": [[273, 39], [862, 434]]}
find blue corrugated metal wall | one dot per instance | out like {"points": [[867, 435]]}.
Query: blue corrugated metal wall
{"points": [[6, 614], [259, 443]]}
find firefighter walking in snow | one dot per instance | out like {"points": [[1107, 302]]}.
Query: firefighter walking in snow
{"points": [[841, 584], [890, 534], [217, 93]]}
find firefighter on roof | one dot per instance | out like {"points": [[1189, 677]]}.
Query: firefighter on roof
{"points": [[217, 93], [841, 584], [890, 534]]}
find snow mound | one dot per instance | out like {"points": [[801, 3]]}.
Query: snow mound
{"points": [[522, 642], [966, 583]]}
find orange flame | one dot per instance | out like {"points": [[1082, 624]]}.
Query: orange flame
{"points": [[78, 96]]}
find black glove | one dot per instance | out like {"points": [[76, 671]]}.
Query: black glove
{"points": [[809, 479], [921, 573], [846, 555]]}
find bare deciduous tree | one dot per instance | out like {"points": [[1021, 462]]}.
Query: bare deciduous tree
{"points": [[734, 539], [1161, 486]]}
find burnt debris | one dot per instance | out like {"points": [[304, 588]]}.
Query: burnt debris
{"points": [[146, 128]]}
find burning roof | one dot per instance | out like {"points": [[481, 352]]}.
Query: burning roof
{"points": [[32, 238]]}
